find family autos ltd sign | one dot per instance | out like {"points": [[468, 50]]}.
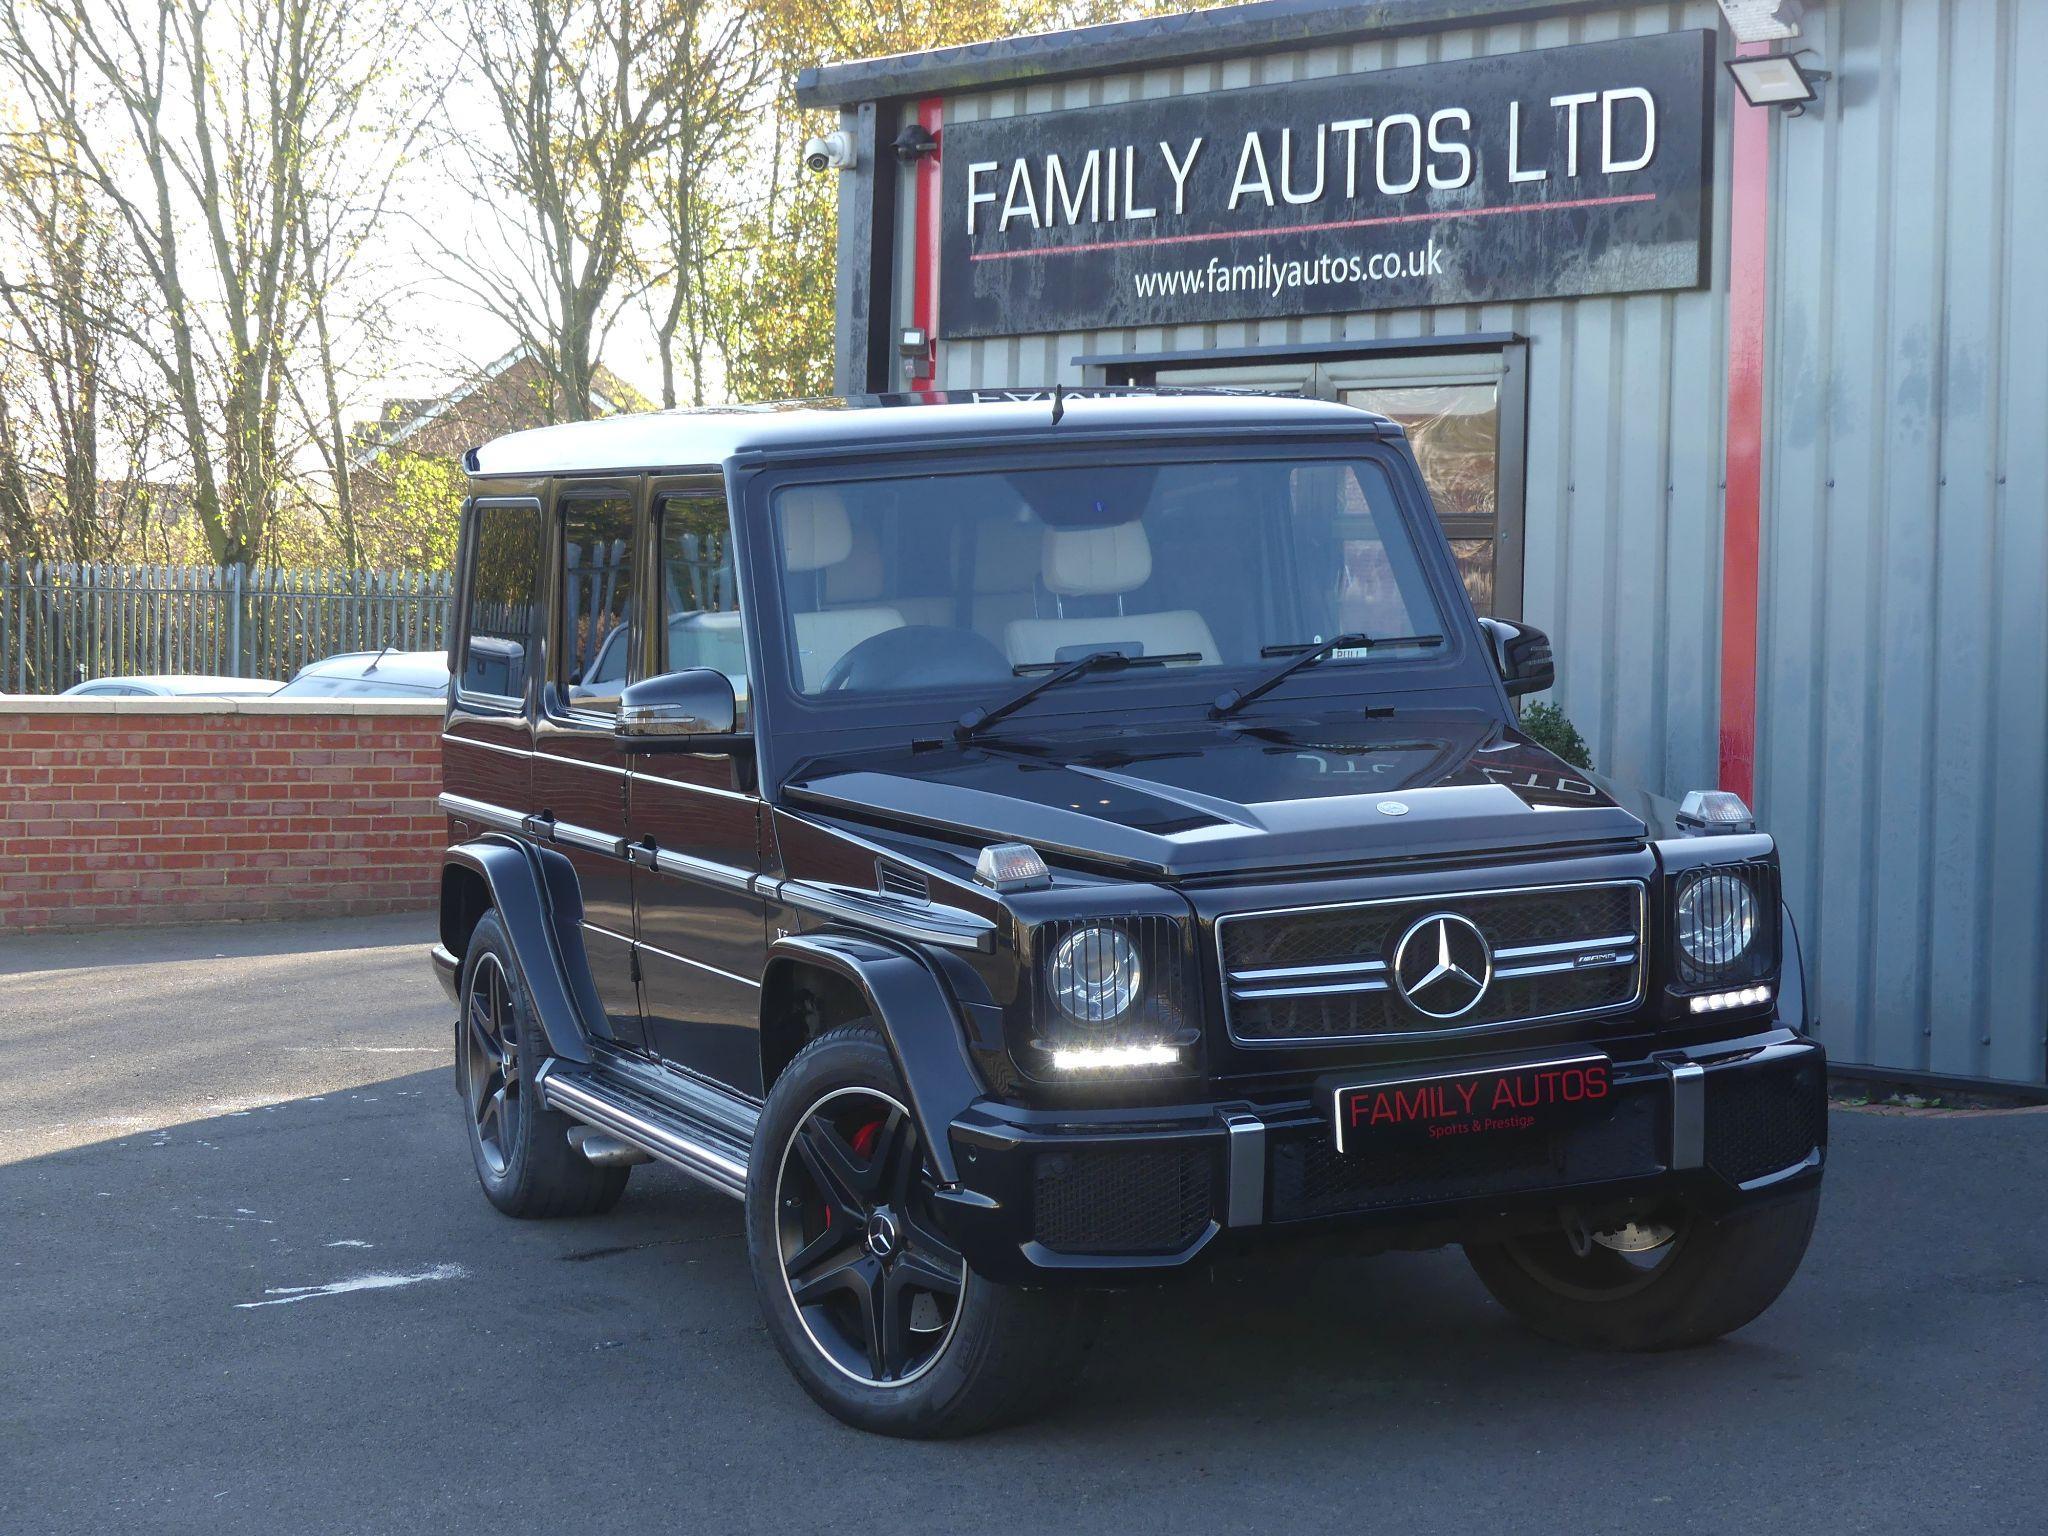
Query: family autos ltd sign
{"points": [[1558, 172]]}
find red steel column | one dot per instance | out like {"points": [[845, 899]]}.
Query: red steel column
{"points": [[924, 281], [1748, 257]]}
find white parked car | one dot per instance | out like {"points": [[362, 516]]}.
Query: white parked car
{"points": [[173, 686], [370, 675]]}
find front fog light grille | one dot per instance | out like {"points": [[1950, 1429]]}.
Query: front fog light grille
{"points": [[1763, 1120], [1123, 1200], [1723, 926]]}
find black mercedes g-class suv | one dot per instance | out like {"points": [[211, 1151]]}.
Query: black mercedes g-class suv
{"points": [[1029, 843]]}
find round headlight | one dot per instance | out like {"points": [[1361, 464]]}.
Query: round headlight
{"points": [[1095, 975], [1716, 920]]}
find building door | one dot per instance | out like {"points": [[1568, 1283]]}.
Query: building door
{"points": [[1464, 414]]}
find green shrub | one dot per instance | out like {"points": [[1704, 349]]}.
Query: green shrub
{"points": [[1547, 726]]}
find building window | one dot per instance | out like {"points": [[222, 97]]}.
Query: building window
{"points": [[1455, 432], [1463, 407], [504, 579]]}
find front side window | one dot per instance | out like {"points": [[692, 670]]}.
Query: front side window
{"points": [[597, 602], [504, 578], [700, 591], [949, 580]]}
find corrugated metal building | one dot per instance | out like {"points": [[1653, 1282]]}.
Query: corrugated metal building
{"points": [[1776, 485]]}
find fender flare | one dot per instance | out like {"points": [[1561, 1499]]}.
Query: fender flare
{"points": [[1791, 973], [535, 895], [918, 1021]]}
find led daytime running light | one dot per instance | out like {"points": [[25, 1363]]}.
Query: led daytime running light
{"points": [[1746, 997], [1093, 1058]]}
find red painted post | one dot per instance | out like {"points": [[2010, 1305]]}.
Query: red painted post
{"points": [[924, 281], [1748, 260]]}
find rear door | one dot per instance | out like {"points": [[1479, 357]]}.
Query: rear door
{"points": [[579, 768], [487, 745], [696, 818]]}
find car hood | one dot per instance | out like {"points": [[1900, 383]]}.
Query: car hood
{"points": [[1215, 798]]}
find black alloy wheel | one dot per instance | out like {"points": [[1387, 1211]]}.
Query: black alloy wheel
{"points": [[1601, 1266], [491, 1079], [873, 1280], [523, 1155], [1677, 1279], [866, 1293]]}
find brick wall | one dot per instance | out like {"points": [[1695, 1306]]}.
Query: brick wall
{"points": [[114, 812]]}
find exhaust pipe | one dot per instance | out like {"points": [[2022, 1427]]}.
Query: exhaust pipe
{"points": [[605, 1150]]}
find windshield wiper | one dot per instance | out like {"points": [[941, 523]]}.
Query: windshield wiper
{"points": [[1234, 699], [978, 720]]}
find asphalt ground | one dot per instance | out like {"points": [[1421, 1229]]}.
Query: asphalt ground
{"points": [[247, 1283]]}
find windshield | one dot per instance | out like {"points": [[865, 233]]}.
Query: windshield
{"points": [[951, 580]]}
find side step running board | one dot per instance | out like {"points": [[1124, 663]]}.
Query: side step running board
{"points": [[708, 1152]]}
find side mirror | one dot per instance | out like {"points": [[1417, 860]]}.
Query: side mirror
{"points": [[1522, 652], [677, 705]]}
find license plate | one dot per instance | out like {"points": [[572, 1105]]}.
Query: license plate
{"points": [[1453, 1106]]}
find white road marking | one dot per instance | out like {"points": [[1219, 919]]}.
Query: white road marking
{"points": [[372, 1050], [285, 1295], [350, 1242]]}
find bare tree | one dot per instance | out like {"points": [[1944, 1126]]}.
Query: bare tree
{"points": [[76, 434], [586, 96], [698, 185], [195, 122], [342, 190]]}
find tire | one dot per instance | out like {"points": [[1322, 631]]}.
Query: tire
{"points": [[1717, 1277], [836, 1145], [522, 1152]]}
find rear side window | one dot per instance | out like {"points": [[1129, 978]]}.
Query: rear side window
{"points": [[597, 602], [504, 580]]}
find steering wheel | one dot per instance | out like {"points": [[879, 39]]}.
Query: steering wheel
{"points": [[918, 655]]}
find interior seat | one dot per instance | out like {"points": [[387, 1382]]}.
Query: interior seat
{"points": [[1083, 563], [817, 535], [860, 580], [1006, 560]]}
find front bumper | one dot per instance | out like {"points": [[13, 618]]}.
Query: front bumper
{"points": [[1104, 1196]]}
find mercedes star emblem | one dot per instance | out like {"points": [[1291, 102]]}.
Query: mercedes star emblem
{"points": [[1393, 808], [1443, 965]]}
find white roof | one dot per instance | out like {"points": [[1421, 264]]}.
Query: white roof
{"points": [[709, 435]]}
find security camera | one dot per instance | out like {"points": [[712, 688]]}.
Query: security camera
{"points": [[833, 152]]}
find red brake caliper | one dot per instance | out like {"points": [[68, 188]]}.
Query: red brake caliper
{"points": [[864, 1146]]}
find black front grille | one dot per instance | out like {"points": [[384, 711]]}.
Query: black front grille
{"points": [[1312, 1178], [1121, 1200], [1765, 1119], [1606, 921]]}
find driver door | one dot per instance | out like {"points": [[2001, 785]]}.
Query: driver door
{"points": [[695, 821]]}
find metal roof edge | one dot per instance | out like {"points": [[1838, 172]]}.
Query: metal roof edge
{"points": [[1264, 26], [51, 704]]}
